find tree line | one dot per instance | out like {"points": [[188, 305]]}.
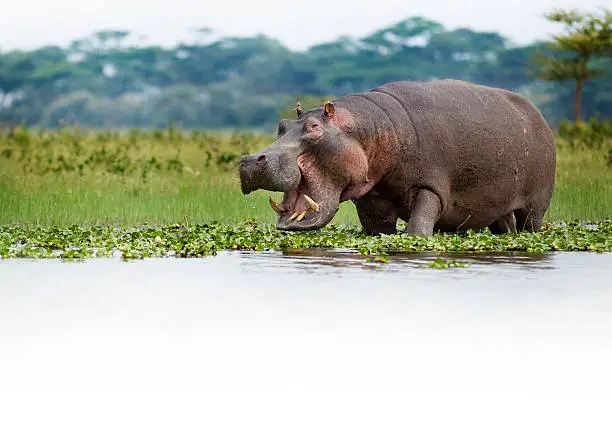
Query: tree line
{"points": [[101, 81]]}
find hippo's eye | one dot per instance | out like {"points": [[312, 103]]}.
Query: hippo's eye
{"points": [[313, 129]]}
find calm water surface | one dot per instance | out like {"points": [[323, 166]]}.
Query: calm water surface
{"points": [[307, 343]]}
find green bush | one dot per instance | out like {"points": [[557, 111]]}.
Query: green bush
{"points": [[593, 134]]}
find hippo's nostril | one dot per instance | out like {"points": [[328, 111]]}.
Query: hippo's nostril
{"points": [[261, 158]]}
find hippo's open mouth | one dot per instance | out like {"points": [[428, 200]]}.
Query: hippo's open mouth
{"points": [[304, 208], [313, 162]]}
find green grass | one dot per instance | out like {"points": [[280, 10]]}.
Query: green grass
{"points": [[583, 189], [581, 200], [163, 177], [65, 204]]}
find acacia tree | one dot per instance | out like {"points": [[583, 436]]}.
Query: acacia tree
{"points": [[587, 38]]}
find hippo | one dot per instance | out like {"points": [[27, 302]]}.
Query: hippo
{"points": [[444, 156]]}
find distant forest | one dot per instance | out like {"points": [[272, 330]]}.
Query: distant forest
{"points": [[100, 81]]}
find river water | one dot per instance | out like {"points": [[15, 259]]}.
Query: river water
{"points": [[307, 343]]}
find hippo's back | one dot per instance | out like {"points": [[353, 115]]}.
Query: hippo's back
{"points": [[483, 148]]}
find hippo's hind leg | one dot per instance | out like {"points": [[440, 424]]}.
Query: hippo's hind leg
{"points": [[424, 214], [529, 218], [504, 225], [376, 215]]}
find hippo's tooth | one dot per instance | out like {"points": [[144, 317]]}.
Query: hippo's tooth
{"points": [[311, 203], [276, 207], [294, 215], [301, 216]]}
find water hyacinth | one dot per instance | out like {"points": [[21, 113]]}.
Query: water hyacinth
{"points": [[198, 240]]}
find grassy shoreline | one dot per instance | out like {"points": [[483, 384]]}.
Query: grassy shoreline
{"points": [[71, 177]]}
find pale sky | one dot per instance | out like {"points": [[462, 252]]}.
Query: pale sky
{"points": [[297, 23]]}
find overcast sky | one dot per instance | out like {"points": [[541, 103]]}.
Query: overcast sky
{"points": [[298, 23]]}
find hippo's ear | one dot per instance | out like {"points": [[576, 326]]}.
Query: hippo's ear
{"points": [[330, 109], [299, 110]]}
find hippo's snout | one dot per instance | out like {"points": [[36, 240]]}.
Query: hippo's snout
{"points": [[268, 171], [249, 161], [251, 169]]}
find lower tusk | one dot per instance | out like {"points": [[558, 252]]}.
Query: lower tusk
{"points": [[312, 204], [275, 206], [294, 215], [301, 216]]}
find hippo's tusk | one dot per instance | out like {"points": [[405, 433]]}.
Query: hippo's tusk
{"points": [[276, 207], [301, 216], [312, 204], [294, 215]]}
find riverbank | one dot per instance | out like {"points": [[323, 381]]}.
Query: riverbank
{"points": [[74, 176]]}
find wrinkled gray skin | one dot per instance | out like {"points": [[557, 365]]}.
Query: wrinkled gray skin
{"points": [[444, 155]]}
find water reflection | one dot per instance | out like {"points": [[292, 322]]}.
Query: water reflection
{"points": [[536, 260], [337, 262]]}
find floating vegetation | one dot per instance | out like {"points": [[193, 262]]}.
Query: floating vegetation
{"points": [[199, 240], [443, 263]]}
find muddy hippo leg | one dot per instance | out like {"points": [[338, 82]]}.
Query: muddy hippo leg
{"points": [[424, 214], [529, 218], [377, 215], [504, 225]]}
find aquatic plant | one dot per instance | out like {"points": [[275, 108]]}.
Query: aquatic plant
{"points": [[199, 240], [443, 263]]}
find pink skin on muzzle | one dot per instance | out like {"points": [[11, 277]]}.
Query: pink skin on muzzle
{"points": [[341, 178]]}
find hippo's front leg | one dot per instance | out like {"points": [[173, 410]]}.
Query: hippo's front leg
{"points": [[376, 215], [425, 213]]}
